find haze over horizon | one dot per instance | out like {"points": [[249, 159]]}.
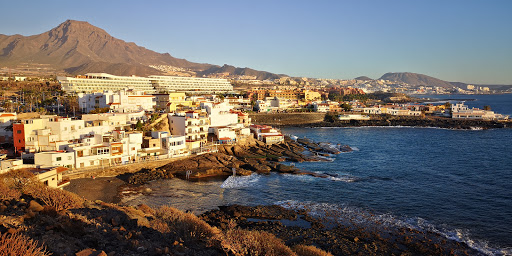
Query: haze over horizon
{"points": [[466, 41]]}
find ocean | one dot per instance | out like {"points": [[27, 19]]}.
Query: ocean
{"points": [[453, 182]]}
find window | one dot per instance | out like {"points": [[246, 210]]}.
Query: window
{"points": [[58, 158], [69, 158], [18, 131]]}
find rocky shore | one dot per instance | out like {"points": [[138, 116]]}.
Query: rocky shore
{"points": [[246, 159], [94, 227], [340, 237]]}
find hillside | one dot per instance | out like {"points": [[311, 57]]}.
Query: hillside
{"points": [[77, 47], [260, 75], [415, 79], [363, 78]]}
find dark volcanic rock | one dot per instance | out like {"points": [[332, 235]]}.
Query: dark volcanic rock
{"points": [[339, 238]]}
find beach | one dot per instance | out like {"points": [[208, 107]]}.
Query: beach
{"points": [[105, 189]]}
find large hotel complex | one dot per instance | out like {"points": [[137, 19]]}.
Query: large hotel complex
{"points": [[94, 82]]}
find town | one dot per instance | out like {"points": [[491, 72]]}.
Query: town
{"points": [[128, 119]]}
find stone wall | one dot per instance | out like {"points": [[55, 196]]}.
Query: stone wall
{"points": [[290, 119]]}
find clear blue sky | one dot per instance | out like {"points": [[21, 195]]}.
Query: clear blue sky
{"points": [[454, 40]]}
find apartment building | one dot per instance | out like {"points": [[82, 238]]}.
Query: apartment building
{"points": [[171, 102], [193, 125]]}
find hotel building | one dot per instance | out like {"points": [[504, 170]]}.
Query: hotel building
{"points": [[95, 82], [190, 84]]}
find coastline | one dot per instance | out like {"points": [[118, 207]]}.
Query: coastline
{"points": [[339, 239]]}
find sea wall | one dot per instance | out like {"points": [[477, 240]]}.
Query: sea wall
{"points": [[290, 119]]}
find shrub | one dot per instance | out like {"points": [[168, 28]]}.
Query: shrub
{"points": [[16, 244], [186, 225], [7, 193], [56, 198], [244, 242], [309, 250], [159, 225], [17, 179]]}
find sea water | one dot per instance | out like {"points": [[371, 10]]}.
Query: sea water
{"points": [[457, 183]]}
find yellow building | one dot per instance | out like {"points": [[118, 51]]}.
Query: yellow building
{"points": [[312, 95]]}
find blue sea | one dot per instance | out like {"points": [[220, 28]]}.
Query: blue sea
{"points": [[457, 183]]}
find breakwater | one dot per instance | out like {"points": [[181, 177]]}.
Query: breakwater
{"points": [[318, 120]]}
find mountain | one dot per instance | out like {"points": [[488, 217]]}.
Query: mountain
{"points": [[78, 47], [363, 78], [415, 79], [260, 75]]}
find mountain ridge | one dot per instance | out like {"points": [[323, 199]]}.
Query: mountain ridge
{"points": [[77, 47], [415, 79]]}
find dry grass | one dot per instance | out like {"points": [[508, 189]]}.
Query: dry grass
{"points": [[16, 244], [187, 226], [243, 242], [58, 199], [146, 209], [309, 250]]}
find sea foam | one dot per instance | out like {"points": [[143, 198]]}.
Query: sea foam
{"points": [[240, 181], [334, 214]]}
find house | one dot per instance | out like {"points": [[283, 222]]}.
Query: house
{"points": [[8, 164], [175, 145], [372, 111], [6, 120], [353, 117], [266, 134], [50, 176], [220, 113], [55, 158]]}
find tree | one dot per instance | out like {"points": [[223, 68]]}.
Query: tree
{"points": [[139, 125], [346, 106], [487, 107]]}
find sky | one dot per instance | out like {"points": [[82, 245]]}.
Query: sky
{"points": [[453, 40]]}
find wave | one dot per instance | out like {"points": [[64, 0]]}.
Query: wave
{"points": [[334, 214], [240, 181]]}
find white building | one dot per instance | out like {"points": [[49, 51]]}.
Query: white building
{"points": [[374, 111], [55, 158], [266, 134], [96, 82], [353, 117], [6, 120], [193, 125], [175, 145], [190, 84], [220, 113], [119, 101]]}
